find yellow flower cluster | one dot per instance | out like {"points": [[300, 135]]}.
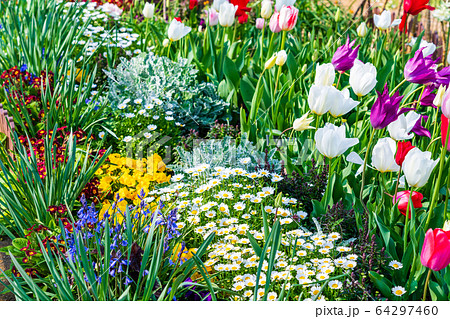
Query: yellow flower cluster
{"points": [[127, 177]]}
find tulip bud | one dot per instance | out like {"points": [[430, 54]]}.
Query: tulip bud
{"points": [[165, 43], [439, 96], [227, 14], [288, 18], [362, 30], [266, 9], [330, 42], [260, 23], [149, 10], [271, 62], [315, 55], [213, 17], [274, 24], [281, 58], [448, 58], [402, 199], [337, 16], [304, 68], [435, 249], [279, 200]]}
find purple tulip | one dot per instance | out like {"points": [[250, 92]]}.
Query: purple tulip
{"points": [[443, 76], [428, 95], [419, 130], [345, 56], [385, 110], [420, 69]]}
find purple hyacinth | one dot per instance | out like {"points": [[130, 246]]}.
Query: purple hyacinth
{"points": [[345, 56], [420, 69], [385, 110]]}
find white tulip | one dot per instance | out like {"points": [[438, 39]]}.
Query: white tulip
{"points": [[325, 74], [418, 167], [266, 9], [343, 104], [429, 47], [281, 58], [363, 78], [165, 43], [149, 10], [321, 98], [439, 96], [226, 14], [382, 21], [400, 129], [281, 3], [383, 155], [177, 30], [217, 3], [362, 30], [302, 123], [331, 141]]}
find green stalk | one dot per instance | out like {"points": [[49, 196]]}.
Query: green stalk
{"points": [[438, 181], [365, 164], [405, 231], [262, 45], [424, 298], [283, 43]]}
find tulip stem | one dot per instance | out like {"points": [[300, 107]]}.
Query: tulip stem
{"points": [[262, 44], [365, 164], [438, 181], [283, 42], [447, 191], [397, 87], [424, 298], [405, 231]]}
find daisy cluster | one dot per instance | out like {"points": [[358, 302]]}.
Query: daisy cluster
{"points": [[232, 202], [98, 35]]}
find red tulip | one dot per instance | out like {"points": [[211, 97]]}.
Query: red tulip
{"points": [[243, 18], [413, 7], [436, 249], [444, 130], [193, 4], [402, 149], [402, 199], [178, 19], [242, 9]]}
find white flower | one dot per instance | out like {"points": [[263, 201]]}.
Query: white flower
{"points": [[383, 155], [429, 47], [400, 129], [149, 10], [216, 4], [396, 264], [343, 104], [363, 78], [362, 30], [152, 127], [321, 98], [331, 141], [266, 9], [227, 12], [127, 139], [335, 284], [383, 21], [281, 58], [325, 74], [398, 291], [177, 30], [101, 134], [418, 167]]}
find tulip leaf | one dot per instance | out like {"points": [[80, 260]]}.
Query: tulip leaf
{"points": [[231, 72], [254, 244], [436, 292], [247, 91], [381, 283]]}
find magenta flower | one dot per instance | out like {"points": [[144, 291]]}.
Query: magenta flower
{"points": [[345, 56], [419, 130], [420, 69], [443, 76], [428, 96], [385, 110]]}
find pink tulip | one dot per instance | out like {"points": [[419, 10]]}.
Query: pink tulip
{"points": [[213, 17], [288, 18], [274, 24], [436, 249], [260, 23]]}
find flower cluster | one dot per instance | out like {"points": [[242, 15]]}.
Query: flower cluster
{"points": [[232, 203], [127, 177]]}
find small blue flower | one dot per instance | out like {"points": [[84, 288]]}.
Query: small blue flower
{"points": [[23, 68]]}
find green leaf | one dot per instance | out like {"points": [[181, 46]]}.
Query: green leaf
{"points": [[383, 284], [254, 244]]}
